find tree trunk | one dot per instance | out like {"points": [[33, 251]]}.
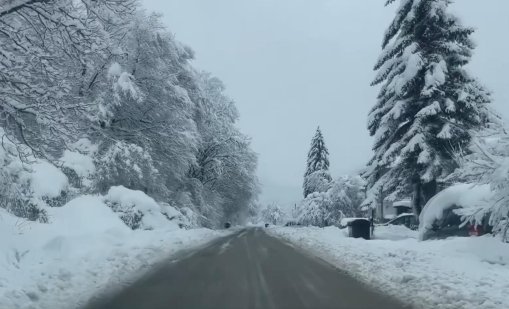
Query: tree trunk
{"points": [[417, 196], [429, 190]]}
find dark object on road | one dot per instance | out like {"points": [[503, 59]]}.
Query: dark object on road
{"points": [[405, 219], [227, 225], [359, 228], [266, 225], [248, 269]]}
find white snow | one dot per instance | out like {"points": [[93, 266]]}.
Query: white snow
{"points": [[466, 273], [47, 180], [82, 164], [114, 70], [460, 195], [134, 199], [345, 221], [85, 250], [402, 203]]}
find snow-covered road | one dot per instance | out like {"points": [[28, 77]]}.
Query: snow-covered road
{"points": [[247, 270], [456, 273]]}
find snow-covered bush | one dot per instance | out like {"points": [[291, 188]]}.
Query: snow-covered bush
{"points": [[314, 210], [77, 163], [136, 209], [273, 214], [332, 201], [49, 183], [28, 184]]}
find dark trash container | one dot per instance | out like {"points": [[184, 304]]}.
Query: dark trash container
{"points": [[266, 225], [227, 225], [359, 228]]}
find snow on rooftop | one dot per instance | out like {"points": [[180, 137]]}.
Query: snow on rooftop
{"points": [[345, 221], [402, 203]]}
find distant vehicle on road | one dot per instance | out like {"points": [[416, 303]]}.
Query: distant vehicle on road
{"points": [[227, 225], [266, 225], [405, 219]]}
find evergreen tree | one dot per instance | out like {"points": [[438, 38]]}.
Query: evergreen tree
{"points": [[427, 104], [317, 176]]}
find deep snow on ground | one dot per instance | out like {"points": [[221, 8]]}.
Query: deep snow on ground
{"points": [[83, 251], [466, 273]]}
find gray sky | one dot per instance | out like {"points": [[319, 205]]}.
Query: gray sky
{"points": [[292, 65]]}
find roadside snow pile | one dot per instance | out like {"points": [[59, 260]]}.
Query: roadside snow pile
{"points": [[85, 249], [468, 198], [462, 272], [394, 232]]}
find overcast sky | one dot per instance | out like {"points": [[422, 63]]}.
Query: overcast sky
{"points": [[292, 65]]}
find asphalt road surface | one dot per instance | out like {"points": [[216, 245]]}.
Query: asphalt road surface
{"points": [[249, 269]]}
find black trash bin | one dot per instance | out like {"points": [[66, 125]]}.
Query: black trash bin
{"points": [[227, 225], [359, 228]]}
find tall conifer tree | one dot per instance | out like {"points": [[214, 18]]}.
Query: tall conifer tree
{"points": [[427, 104], [317, 175]]}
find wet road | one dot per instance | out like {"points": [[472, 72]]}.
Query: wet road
{"points": [[247, 270]]}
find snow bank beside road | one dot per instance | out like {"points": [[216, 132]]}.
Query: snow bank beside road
{"points": [[84, 250], [466, 273]]}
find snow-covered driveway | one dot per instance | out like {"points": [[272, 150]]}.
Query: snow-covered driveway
{"points": [[466, 273]]}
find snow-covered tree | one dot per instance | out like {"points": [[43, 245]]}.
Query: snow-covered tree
{"points": [[347, 194], [273, 214], [106, 72], [317, 177], [427, 105], [314, 210]]}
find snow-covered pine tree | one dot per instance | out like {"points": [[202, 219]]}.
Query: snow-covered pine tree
{"points": [[427, 104], [317, 175]]}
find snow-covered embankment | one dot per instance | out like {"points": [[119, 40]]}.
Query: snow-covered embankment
{"points": [[83, 251], [466, 273]]}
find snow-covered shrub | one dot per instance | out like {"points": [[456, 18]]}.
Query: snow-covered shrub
{"points": [[314, 210], [77, 163], [136, 209], [184, 217], [26, 182], [189, 218], [49, 184]]}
